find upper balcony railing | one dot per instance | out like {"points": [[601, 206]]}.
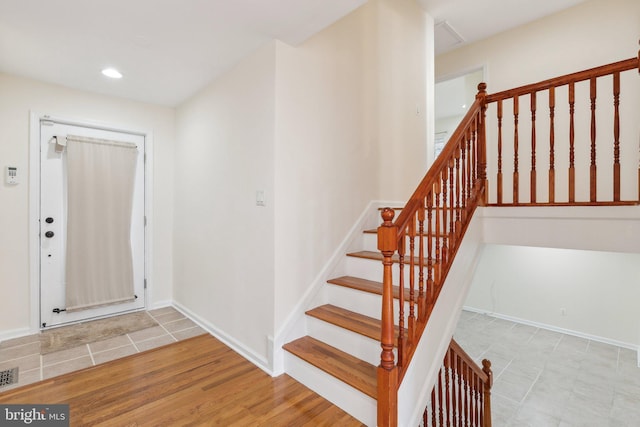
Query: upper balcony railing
{"points": [[567, 140]]}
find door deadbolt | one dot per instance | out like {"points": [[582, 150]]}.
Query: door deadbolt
{"points": [[49, 220]]}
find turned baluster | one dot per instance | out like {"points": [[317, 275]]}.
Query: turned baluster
{"points": [[440, 399], [499, 176], [469, 164], [401, 341], [516, 176], [533, 148], [463, 179], [430, 242], [433, 408], [422, 237], [552, 136], [592, 168], [616, 137], [447, 386], [474, 398], [454, 387], [438, 233], [452, 202], [482, 142], [572, 152], [412, 274], [458, 200], [443, 231]]}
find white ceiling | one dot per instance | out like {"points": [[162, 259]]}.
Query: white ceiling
{"points": [[170, 49], [475, 20]]}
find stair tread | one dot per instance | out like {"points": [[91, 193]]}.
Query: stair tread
{"points": [[355, 322], [364, 285], [357, 373], [377, 256]]}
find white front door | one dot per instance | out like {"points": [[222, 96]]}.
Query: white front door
{"points": [[53, 221]]}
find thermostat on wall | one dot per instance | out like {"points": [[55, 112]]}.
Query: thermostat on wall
{"points": [[12, 175]]}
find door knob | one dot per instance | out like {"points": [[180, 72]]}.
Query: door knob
{"points": [[49, 234]]}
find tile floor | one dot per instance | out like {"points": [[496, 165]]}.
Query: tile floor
{"points": [[24, 352], [545, 378]]}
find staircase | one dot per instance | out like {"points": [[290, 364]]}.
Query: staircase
{"points": [[341, 357], [344, 335]]}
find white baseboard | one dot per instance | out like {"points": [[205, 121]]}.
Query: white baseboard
{"points": [[553, 328], [16, 333], [160, 304], [228, 340]]}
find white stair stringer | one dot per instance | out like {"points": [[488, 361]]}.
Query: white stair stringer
{"points": [[347, 398]]}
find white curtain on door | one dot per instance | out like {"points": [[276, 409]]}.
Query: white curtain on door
{"points": [[100, 184]]}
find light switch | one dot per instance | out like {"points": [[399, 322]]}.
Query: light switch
{"points": [[260, 198]]}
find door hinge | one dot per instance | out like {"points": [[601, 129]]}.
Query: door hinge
{"points": [[145, 283], [145, 220]]}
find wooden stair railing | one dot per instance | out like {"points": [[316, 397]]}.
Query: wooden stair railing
{"points": [[438, 213], [461, 395], [422, 243]]}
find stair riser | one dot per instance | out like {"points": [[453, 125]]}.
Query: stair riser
{"points": [[361, 302], [357, 404], [372, 270], [362, 347]]}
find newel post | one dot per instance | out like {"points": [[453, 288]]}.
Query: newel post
{"points": [[482, 143], [387, 370], [486, 410]]}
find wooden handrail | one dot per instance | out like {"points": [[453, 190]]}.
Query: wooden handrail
{"points": [[620, 66]]}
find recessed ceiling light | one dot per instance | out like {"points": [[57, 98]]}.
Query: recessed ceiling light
{"points": [[112, 73]]}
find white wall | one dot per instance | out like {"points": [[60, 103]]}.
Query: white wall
{"points": [[307, 124], [563, 288], [346, 109], [19, 97], [404, 32], [326, 149], [223, 242]]}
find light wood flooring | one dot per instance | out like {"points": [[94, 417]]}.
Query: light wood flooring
{"points": [[198, 381]]}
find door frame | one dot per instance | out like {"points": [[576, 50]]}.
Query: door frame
{"points": [[34, 203]]}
